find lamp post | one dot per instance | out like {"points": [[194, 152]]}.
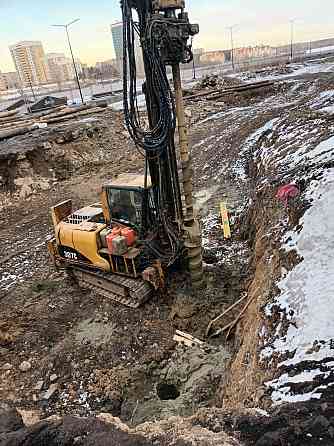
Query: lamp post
{"points": [[292, 22], [31, 88], [70, 46], [232, 44]]}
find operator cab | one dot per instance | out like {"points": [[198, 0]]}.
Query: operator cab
{"points": [[129, 202]]}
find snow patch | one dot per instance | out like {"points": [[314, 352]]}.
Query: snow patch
{"points": [[307, 292]]}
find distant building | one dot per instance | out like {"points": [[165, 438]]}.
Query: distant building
{"points": [[61, 68], [2, 82], [29, 60], [197, 53], [106, 66], [117, 37], [251, 52], [11, 80], [212, 57]]}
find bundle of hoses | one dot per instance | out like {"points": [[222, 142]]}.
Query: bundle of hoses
{"points": [[156, 140]]}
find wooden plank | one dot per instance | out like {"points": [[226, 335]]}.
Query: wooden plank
{"points": [[187, 339], [225, 220]]}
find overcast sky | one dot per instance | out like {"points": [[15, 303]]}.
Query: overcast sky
{"points": [[258, 21]]}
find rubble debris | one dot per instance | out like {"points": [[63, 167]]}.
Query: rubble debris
{"points": [[7, 366], [20, 125], [50, 392], [53, 377], [10, 420], [213, 95], [25, 366], [46, 103], [39, 385]]}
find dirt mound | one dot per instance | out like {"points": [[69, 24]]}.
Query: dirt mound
{"points": [[213, 82], [37, 161], [303, 424]]}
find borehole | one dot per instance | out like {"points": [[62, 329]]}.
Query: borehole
{"points": [[167, 391]]}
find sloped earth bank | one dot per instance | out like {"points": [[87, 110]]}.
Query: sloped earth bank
{"points": [[88, 355]]}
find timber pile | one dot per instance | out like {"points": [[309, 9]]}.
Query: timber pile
{"points": [[12, 124], [219, 93]]}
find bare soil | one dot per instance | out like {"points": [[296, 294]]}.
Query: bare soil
{"points": [[102, 357]]}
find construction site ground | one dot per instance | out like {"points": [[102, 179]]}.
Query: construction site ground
{"points": [[67, 351]]}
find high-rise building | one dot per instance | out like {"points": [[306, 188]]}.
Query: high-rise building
{"points": [[29, 60], [117, 37]]}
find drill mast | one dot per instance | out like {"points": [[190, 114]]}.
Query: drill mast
{"points": [[163, 29]]}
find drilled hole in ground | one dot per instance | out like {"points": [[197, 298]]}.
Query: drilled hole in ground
{"points": [[167, 391]]}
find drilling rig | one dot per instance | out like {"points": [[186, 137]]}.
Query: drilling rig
{"points": [[123, 246]]}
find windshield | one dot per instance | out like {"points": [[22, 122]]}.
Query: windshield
{"points": [[125, 205]]}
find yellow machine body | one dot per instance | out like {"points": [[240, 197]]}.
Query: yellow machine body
{"points": [[79, 236], [84, 242]]}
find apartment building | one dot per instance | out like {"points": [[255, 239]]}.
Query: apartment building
{"points": [[29, 60], [60, 68], [117, 37]]}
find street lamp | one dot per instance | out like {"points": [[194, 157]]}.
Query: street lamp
{"points": [[292, 22], [194, 67], [70, 46], [232, 44]]}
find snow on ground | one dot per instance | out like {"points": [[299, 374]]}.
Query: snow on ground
{"points": [[307, 296], [325, 98], [118, 106], [305, 352], [308, 67], [324, 49]]}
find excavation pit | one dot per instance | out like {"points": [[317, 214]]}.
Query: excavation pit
{"points": [[167, 391]]}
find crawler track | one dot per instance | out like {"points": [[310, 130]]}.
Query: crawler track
{"points": [[129, 292]]}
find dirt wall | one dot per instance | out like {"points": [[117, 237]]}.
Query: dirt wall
{"points": [[37, 161]]}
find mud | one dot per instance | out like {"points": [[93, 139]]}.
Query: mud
{"points": [[108, 358]]}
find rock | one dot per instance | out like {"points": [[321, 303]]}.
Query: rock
{"points": [[25, 366], [3, 351], [331, 431], [7, 366], [30, 417], [320, 424], [50, 392], [270, 439], [53, 377], [10, 420], [39, 385], [108, 418]]}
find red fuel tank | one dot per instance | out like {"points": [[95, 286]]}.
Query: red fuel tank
{"points": [[116, 232], [130, 235]]}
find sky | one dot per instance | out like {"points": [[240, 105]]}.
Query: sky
{"points": [[257, 21]]}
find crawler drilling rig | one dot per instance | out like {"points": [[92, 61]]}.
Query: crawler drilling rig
{"points": [[123, 246]]}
